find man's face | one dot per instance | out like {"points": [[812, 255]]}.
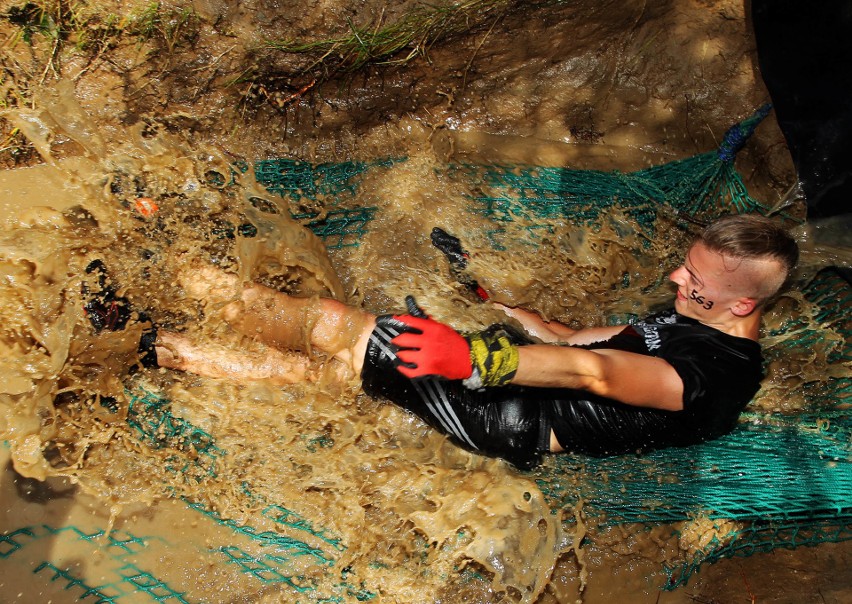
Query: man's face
{"points": [[709, 284]]}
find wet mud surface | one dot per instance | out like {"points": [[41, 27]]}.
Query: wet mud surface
{"points": [[161, 108]]}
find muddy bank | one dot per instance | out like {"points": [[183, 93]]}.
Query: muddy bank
{"points": [[651, 79]]}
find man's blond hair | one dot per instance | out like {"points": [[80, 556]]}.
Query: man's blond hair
{"points": [[757, 240]]}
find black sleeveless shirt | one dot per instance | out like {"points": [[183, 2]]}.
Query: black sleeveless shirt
{"points": [[721, 373]]}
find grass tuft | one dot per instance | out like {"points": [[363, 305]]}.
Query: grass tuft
{"points": [[400, 42]]}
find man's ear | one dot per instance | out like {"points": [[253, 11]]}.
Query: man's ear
{"points": [[744, 307]]}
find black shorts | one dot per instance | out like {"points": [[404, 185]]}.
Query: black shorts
{"points": [[501, 422]]}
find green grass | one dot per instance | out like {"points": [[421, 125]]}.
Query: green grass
{"points": [[399, 42], [88, 27]]}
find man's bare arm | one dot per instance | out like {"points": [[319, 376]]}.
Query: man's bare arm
{"points": [[627, 377], [555, 332]]}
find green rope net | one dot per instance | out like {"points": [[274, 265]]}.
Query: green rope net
{"points": [[697, 187], [786, 480], [332, 184]]}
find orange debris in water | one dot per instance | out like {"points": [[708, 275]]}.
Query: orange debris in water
{"points": [[146, 206]]}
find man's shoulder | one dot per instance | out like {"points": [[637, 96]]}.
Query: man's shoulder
{"points": [[668, 330], [669, 316]]}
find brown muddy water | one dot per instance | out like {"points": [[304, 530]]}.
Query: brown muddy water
{"points": [[258, 492]]}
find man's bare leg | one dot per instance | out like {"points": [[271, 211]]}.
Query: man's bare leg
{"points": [[177, 351], [285, 322]]}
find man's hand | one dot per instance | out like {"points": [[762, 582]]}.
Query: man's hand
{"points": [[427, 348], [431, 348]]}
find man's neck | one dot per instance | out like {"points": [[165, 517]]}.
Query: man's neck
{"points": [[742, 327]]}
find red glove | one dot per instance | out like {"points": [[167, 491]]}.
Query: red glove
{"points": [[432, 349]]}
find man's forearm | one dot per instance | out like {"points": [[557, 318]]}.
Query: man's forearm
{"points": [[546, 331], [633, 379], [552, 332], [548, 366], [590, 335]]}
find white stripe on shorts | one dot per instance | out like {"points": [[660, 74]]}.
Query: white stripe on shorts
{"points": [[430, 390]]}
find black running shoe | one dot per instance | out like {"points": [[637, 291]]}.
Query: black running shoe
{"points": [[458, 257], [104, 309], [108, 311], [451, 247]]}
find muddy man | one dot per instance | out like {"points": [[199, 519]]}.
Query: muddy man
{"points": [[676, 378]]}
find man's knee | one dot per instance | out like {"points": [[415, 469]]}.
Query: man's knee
{"points": [[232, 311]]}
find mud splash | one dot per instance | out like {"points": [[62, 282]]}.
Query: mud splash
{"points": [[364, 471], [379, 477], [404, 514]]}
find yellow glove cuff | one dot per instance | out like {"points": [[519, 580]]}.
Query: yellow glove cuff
{"points": [[493, 357]]}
